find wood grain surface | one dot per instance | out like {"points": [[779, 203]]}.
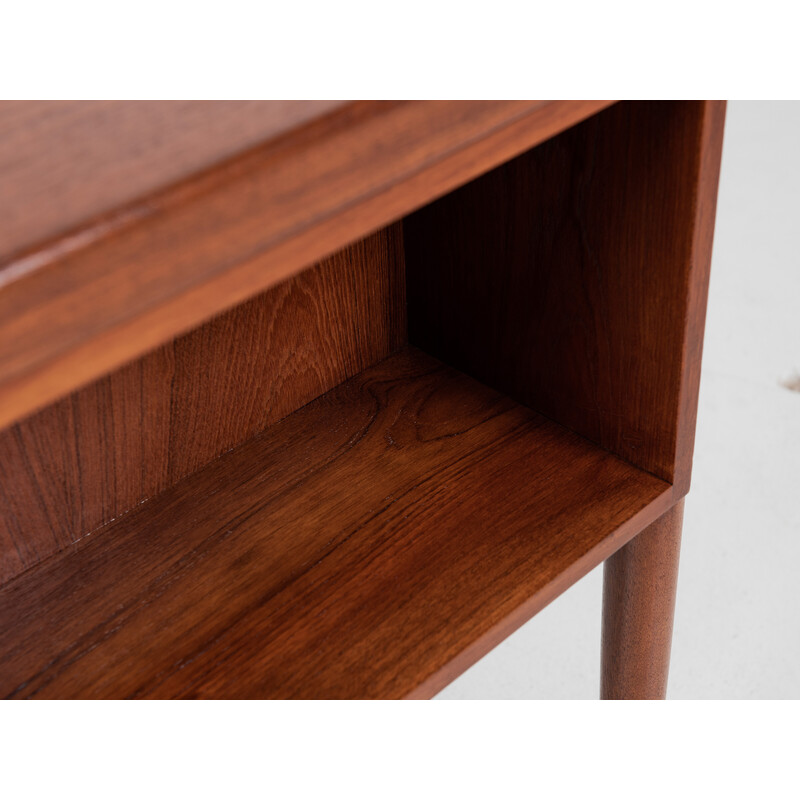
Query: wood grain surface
{"points": [[215, 478], [372, 544], [132, 278], [94, 455], [574, 277], [67, 164], [639, 586], [704, 216]]}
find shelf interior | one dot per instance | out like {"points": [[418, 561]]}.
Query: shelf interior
{"points": [[372, 544], [288, 499]]}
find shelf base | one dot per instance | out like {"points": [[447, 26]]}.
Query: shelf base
{"points": [[373, 544]]}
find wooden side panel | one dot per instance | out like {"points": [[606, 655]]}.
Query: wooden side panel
{"points": [[94, 455], [574, 277]]}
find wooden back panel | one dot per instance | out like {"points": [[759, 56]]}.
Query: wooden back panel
{"points": [[101, 451], [574, 277]]}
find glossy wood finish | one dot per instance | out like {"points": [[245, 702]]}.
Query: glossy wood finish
{"points": [[94, 455], [640, 583], [574, 278], [373, 544], [135, 275], [376, 538]]}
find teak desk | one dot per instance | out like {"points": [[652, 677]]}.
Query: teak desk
{"points": [[325, 399]]}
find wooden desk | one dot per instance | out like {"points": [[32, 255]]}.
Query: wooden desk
{"points": [[326, 399]]}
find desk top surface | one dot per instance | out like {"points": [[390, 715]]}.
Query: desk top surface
{"points": [[62, 163]]}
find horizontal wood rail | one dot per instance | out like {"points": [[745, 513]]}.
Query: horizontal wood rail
{"points": [[76, 304]]}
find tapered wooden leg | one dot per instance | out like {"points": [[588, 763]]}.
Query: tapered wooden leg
{"points": [[639, 585]]}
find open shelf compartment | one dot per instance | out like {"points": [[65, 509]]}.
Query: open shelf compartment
{"points": [[372, 544], [336, 473]]}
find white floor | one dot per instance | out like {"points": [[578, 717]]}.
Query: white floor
{"points": [[737, 623]]}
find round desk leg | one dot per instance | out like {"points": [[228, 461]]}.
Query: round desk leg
{"points": [[639, 583]]}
